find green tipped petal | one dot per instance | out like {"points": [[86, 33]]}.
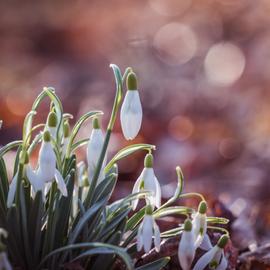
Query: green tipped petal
{"points": [[223, 240], [132, 81], [96, 124], [188, 225], [148, 210], [202, 207], [52, 119], [46, 136], [148, 161]]}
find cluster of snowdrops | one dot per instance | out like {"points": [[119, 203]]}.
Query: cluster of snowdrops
{"points": [[59, 212]]}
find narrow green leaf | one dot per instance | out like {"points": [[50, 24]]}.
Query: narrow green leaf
{"points": [[135, 219], [128, 151], [179, 210], [217, 220], [9, 147], [156, 265]]}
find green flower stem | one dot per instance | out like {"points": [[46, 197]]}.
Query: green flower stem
{"points": [[192, 194], [219, 229]]}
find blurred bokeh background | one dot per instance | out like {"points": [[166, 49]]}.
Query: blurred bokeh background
{"points": [[204, 79]]}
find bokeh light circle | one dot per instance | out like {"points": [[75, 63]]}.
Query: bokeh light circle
{"points": [[224, 64], [170, 7], [175, 43]]}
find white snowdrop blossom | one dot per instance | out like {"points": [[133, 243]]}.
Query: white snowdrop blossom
{"points": [[147, 230], [199, 224], [215, 257], [131, 110], [94, 149], [47, 171], [186, 249], [52, 124], [148, 181]]}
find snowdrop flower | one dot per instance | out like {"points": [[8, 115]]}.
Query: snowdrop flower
{"points": [[199, 224], [186, 249], [148, 181], [131, 110], [147, 229], [94, 148], [65, 138], [47, 171], [215, 257], [52, 124]]}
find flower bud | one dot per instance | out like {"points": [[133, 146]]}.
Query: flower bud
{"points": [[46, 136], [223, 240], [66, 129], [132, 81], [148, 161], [202, 209], [52, 119]]}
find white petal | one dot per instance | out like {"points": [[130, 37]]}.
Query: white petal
{"points": [[33, 178], [158, 193], [206, 258], [206, 243], [147, 232], [75, 197], [136, 189], [12, 190], [223, 264], [60, 183], [150, 185], [198, 222], [47, 188], [186, 250], [52, 131], [64, 147], [4, 262], [47, 162], [140, 238], [94, 148], [157, 237], [131, 114]]}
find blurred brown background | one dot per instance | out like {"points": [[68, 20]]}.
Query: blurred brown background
{"points": [[203, 69]]}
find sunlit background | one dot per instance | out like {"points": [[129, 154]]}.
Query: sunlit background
{"points": [[204, 78]]}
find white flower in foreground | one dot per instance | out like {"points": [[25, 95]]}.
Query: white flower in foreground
{"points": [[47, 171], [215, 257], [148, 181], [131, 110], [94, 149], [4, 262], [147, 230], [52, 124], [186, 249], [199, 224]]}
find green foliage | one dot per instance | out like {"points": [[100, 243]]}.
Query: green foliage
{"points": [[47, 231]]}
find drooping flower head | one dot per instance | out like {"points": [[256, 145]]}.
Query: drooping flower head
{"points": [[94, 149], [131, 110], [215, 257], [148, 181], [186, 249], [147, 230], [47, 171], [199, 224]]}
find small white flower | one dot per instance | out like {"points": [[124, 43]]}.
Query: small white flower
{"points": [[47, 171], [148, 181], [199, 224], [147, 230], [215, 257], [4, 262], [94, 148], [131, 110], [186, 249]]}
